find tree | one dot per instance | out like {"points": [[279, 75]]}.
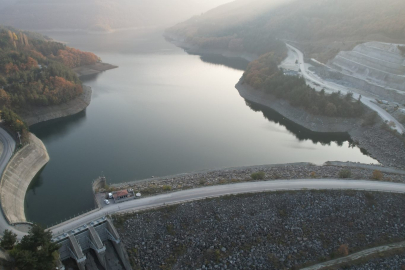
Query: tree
{"points": [[36, 251], [330, 109], [9, 239]]}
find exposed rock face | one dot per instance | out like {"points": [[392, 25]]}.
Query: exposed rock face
{"points": [[381, 65]]}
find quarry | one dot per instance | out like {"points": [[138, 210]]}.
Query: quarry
{"points": [[375, 68]]}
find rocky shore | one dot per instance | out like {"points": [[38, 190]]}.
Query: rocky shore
{"points": [[333, 170], [379, 143], [72, 107], [281, 230], [93, 69]]}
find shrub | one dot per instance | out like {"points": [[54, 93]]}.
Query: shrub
{"points": [[258, 175], [370, 119], [313, 175], [343, 250], [377, 175], [402, 119], [345, 173], [167, 188]]}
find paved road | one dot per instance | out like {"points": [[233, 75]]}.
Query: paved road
{"points": [[216, 191], [369, 102], [8, 150]]}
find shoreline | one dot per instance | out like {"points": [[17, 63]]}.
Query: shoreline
{"points": [[93, 69], [191, 49], [288, 171], [72, 107], [31, 159], [379, 143]]}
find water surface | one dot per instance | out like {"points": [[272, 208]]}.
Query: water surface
{"points": [[162, 112]]}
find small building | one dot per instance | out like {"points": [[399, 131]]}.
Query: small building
{"points": [[120, 196]]}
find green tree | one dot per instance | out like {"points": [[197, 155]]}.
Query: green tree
{"points": [[9, 239], [330, 109], [36, 251]]}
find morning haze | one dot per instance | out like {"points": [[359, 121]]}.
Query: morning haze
{"points": [[190, 134]]}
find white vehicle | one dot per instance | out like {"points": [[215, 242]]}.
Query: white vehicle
{"points": [[107, 201], [110, 195]]}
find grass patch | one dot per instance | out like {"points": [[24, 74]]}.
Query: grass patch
{"points": [[258, 175], [345, 173]]}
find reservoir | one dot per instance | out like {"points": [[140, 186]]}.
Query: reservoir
{"points": [[162, 112]]}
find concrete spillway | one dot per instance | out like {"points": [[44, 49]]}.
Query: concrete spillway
{"points": [[373, 63]]}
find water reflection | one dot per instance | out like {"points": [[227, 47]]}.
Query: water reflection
{"points": [[219, 60], [36, 182], [55, 129], [300, 132]]}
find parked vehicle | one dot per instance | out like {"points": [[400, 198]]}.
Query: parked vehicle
{"points": [[107, 201]]}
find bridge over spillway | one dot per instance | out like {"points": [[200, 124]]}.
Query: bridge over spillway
{"points": [[92, 236]]}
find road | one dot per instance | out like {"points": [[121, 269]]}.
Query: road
{"points": [[8, 150], [217, 191], [369, 102]]}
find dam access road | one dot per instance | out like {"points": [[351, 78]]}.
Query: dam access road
{"points": [[369, 102], [224, 190]]}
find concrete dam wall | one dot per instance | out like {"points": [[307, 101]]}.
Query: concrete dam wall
{"points": [[17, 176], [373, 63]]}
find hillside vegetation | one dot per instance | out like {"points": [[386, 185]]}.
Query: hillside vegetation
{"points": [[36, 72], [320, 27]]}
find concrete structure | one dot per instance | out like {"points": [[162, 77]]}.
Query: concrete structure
{"points": [[18, 175], [93, 235]]}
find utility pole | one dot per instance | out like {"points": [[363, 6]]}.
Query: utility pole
{"points": [[19, 136]]}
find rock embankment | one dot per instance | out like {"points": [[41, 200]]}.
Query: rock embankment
{"points": [[244, 174], [72, 107], [379, 143], [281, 230], [18, 175]]}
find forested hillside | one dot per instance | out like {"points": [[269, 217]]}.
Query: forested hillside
{"points": [[36, 72], [320, 27], [99, 15]]}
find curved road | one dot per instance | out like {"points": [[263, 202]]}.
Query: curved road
{"points": [[335, 87], [217, 191], [8, 150]]}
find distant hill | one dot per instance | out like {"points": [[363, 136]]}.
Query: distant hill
{"points": [[99, 14], [320, 27]]}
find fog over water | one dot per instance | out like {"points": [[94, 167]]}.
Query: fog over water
{"points": [[162, 112]]}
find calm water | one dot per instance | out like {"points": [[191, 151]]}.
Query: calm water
{"points": [[162, 112]]}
